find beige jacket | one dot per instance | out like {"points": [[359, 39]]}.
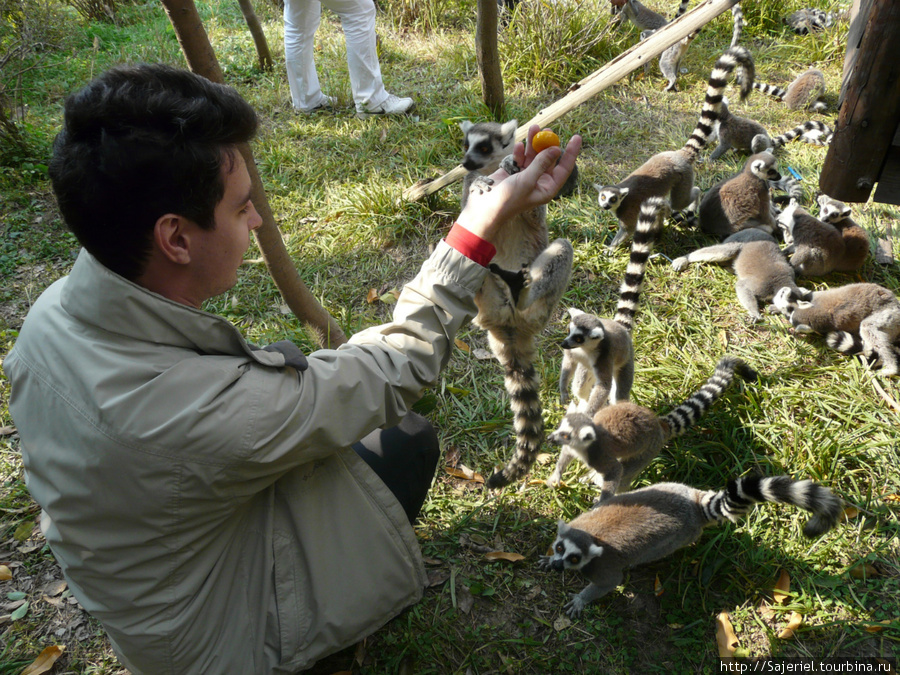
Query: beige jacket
{"points": [[200, 495]]}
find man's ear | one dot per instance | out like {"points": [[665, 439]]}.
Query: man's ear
{"points": [[172, 238]]}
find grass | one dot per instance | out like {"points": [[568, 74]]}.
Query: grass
{"points": [[334, 184]]}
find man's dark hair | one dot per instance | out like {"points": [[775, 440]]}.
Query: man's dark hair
{"points": [[139, 142]]}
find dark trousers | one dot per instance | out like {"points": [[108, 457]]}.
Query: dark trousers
{"points": [[405, 458]]}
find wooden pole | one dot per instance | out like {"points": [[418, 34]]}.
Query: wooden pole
{"points": [[201, 59], [489, 57], [593, 84]]}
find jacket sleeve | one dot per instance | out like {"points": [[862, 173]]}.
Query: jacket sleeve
{"points": [[368, 382]]}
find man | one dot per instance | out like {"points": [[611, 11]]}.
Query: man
{"points": [[203, 496]]}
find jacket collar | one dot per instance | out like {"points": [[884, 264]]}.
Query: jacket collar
{"points": [[97, 296]]}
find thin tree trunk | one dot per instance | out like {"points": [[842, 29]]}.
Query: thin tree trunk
{"points": [[489, 57], [259, 37], [202, 60]]}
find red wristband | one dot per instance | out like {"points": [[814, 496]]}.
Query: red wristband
{"points": [[470, 245]]}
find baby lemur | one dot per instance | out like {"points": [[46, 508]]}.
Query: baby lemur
{"points": [[528, 277], [598, 354], [757, 261], [818, 247], [671, 174], [748, 136], [741, 201], [621, 439], [644, 525], [866, 310]]}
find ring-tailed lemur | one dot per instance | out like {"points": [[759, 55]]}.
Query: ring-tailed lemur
{"points": [[741, 201], [641, 16], [818, 247], [653, 522], [757, 261], [671, 174], [670, 59], [747, 136], [598, 354], [621, 439], [809, 19], [804, 93], [529, 276], [868, 310]]}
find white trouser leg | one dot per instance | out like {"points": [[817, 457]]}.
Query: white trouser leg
{"points": [[358, 22], [301, 20]]}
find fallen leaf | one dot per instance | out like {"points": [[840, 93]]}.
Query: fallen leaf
{"points": [[863, 571], [464, 599], [371, 296], [891, 498], [437, 577], [794, 623], [452, 456], [458, 391], [782, 587], [16, 595], [465, 473], [544, 457], [849, 513], [877, 628], [7, 431], [461, 345], [45, 660], [390, 297], [562, 622], [766, 611], [723, 338], [20, 612], [55, 587], [725, 638], [23, 531], [504, 555], [658, 587], [5, 573], [482, 354]]}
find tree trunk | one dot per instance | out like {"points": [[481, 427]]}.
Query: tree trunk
{"points": [[259, 37], [202, 60], [489, 57]]}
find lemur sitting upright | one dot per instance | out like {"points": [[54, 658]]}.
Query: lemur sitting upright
{"points": [[528, 277]]}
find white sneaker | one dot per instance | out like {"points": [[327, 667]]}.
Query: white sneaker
{"points": [[328, 104], [393, 105]]}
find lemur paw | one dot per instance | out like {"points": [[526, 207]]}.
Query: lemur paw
{"points": [[680, 263], [574, 607], [544, 562], [481, 184], [508, 164]]}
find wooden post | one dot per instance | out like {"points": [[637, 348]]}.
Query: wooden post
{"points": [[201, 59], [867, 122], [488, 57], [593, 84]]}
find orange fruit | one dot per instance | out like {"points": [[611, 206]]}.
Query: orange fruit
{"points": [[544, 139]]}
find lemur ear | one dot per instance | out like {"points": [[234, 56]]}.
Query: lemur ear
{"points": [[623, 192], [597, 333], [587, 434], [574, 311], [561, 526], [595, 551], [465, 125]]}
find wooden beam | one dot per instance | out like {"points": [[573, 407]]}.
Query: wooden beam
{"points": [[641, 53], [868, 116]]}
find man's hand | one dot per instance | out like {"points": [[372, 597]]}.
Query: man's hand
{"points": [[507, 196]]}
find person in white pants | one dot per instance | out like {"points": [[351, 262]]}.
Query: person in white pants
{"points": [[301, 20]]}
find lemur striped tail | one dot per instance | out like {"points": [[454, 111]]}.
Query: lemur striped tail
{"points": [[770, 90], [712, 105], [844, 342], [523, 387], [695, 407], [737, 18], [742, 494], [801, 132], [682, 8], [649, 226]]}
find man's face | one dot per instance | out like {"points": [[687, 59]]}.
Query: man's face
{"points": [[219, 252]]}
